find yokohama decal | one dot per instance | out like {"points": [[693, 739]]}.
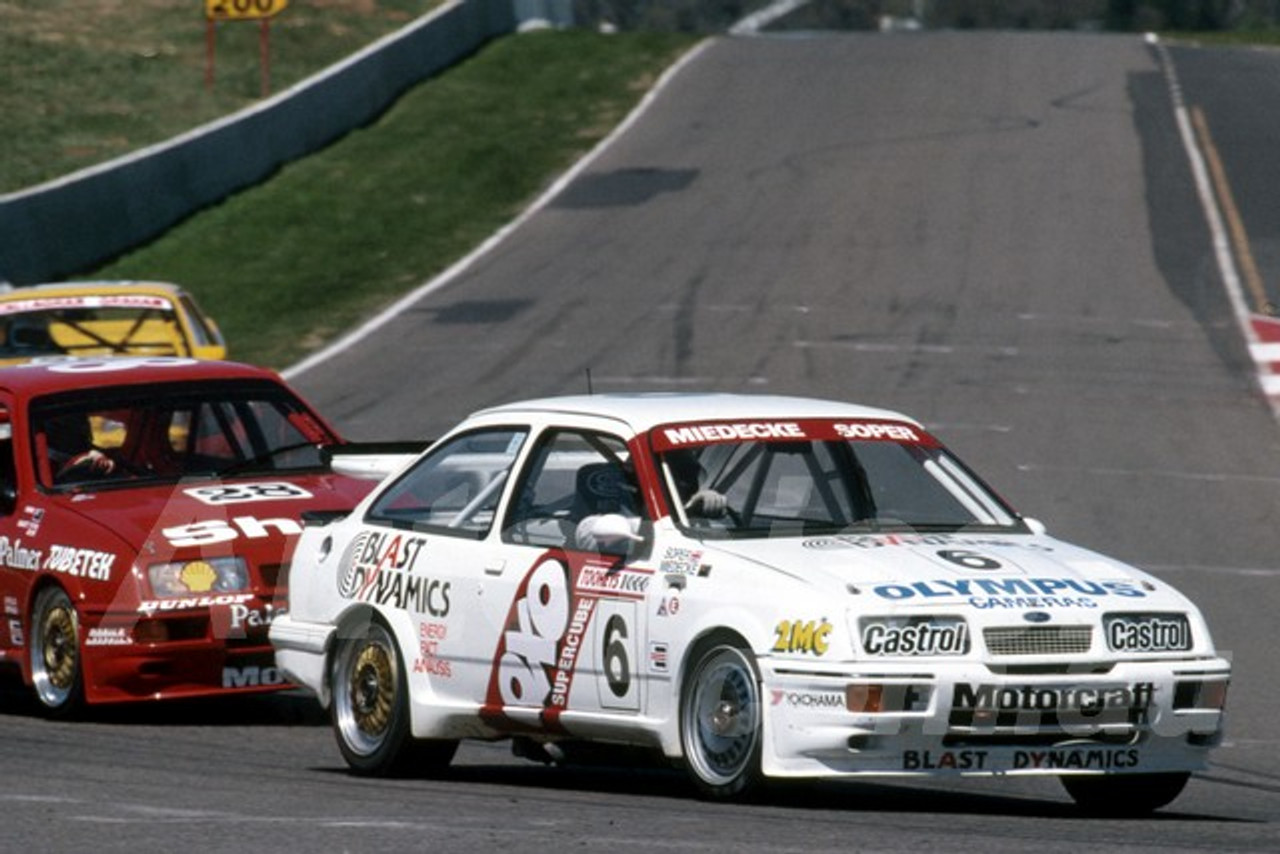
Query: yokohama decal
{"points": [[542, 643]]}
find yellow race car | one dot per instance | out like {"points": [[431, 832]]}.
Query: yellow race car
{"points": [[103, 318]]}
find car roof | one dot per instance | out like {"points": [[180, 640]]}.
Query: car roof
{"points": [[40, 377], [646, 410], [92, 286]]}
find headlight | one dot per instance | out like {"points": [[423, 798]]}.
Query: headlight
{"points": [[912, 636], [206, 575]]}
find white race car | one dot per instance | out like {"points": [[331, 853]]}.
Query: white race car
{"points": [[756, 587]]}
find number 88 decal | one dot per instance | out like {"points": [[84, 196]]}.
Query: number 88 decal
{"points": [[617, 657]]}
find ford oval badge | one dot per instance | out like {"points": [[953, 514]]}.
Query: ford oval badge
{"points": [[1036, 617]]}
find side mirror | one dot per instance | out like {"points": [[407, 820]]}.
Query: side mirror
{"points": [[1037, 527], [609, 533]]}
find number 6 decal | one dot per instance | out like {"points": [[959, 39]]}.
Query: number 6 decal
{"points": [[616, 656]]}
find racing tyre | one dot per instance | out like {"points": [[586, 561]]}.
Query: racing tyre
{"points": [[720, 722], [55, 654], [1124, 794], [371, 709]]}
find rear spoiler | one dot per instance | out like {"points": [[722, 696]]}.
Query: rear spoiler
{"points": [[372, 460]]}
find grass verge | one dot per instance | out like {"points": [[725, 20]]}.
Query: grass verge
{"points": [[83, 81], [290, 264]]}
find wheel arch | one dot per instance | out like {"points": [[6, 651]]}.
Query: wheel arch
{"points": [[401, 626]]}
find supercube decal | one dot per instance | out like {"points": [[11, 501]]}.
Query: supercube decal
{"points": [[542, 647]]}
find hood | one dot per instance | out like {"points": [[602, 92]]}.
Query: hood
{"points": [[257, 517], [984, 572]]}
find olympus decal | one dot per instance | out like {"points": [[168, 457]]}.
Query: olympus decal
{"points": [[985, 593]]}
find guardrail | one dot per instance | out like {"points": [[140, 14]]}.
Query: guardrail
{"points": [[84, 219]]}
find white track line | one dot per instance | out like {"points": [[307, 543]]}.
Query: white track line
{"points": [[1268, 382]]}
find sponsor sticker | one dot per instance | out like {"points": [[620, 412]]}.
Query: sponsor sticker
{"points": [[429, 660], [243, 493], [1147, 632], [113, 636], [251, 676], [380, 568], [802, 636], [919, 636], [1020, 593]]}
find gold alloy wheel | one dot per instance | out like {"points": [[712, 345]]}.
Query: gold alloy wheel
{"points": [[55, 651], [369, 706], [58, 633], [373, 689]]}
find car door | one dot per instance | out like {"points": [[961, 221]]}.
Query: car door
{"points": [[421, 553], [570, 602], [14, 576]]}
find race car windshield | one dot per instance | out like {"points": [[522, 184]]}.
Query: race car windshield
{"points": [[112, 437], [90, 326], [814, 480]]}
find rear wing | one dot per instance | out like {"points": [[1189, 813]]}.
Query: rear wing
{"points": [[372, 460]]}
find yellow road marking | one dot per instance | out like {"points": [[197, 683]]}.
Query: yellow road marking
{"points": [[1235, 225]]}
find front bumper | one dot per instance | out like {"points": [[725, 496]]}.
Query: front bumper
{"points": [[215, 648], [921, 719]]}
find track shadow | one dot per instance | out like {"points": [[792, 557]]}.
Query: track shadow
{"points": [[657, 779], [283, 708]]}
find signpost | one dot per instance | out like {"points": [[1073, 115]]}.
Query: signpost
{"points": [[241, 10]]}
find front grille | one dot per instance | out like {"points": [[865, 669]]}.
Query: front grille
{"points": [[1038, 640]]}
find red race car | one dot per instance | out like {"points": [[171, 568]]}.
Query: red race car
{"points": [[147, 508]]}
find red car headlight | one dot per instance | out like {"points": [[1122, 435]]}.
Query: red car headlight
{"points": [[204, 575]]}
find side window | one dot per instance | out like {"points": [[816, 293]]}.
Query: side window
{"points": [[455, 489], [571, 476], [8, 474]]}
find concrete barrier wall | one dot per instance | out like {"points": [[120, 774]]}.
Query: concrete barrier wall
{"points": [[75, 223]]}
